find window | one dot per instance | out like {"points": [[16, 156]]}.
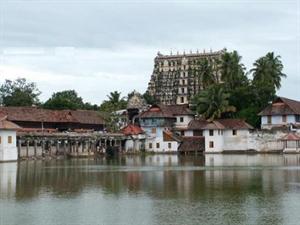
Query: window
{"points": [[233, 132], [211, 132], [198, 133], [284, 118], [269, 119], [153, 130], [211, 144], [150, 145], [182, 99], [157, 145], [182, 90], [9, 139], [297, 118], [181, 119], [183, 82], [182, 133], [169, 145]]}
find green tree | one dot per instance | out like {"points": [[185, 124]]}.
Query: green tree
{"points": [[267, 75], [232, 70], [212, 103], [19, 93], [68, 99], [115, 102], [207, 72]]}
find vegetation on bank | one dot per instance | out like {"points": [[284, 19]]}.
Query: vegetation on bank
{"points": [[231, 91]]}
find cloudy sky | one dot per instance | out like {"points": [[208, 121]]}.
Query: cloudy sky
{"points": [[96, 47]]}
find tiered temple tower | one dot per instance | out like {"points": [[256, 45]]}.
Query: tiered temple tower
{"points": [[175, 78]]}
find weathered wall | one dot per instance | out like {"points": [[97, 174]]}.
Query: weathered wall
{"points": [[8, 151], [238, 142]]}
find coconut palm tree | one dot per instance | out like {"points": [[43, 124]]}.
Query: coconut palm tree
{"points": [[212, 103], [268, 70], [232, 70], [206, 72]]}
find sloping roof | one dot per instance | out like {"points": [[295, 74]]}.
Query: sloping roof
{"points": [[7, 125], [132, 130], [34, 114], [87, 117], [192, 144], [291, 137], [166, 111], [197, 124], [219, 124], [234, 124], [177, 109], [156, 111], [169, 136], [282, 106]]}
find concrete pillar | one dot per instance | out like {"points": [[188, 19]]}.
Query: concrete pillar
{"points": [[27, 148], [57, 147], [43, 147], [35, 148], [19, 148], [65, 147]]}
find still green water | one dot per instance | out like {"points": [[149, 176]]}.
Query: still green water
{"points": [[159, 189]]}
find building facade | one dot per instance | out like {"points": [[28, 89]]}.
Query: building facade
{"points": [[222, 135], [175, 79], [282, 113], [8, 140]]}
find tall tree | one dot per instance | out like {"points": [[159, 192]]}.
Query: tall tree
{"points": [[213, 103], [68, 99], [207, 72], [268, 70], [19, 93], [267, 76], [114, 102], [232, 70]]}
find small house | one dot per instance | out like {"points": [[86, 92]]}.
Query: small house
{"points": [[135, 138], [8, 139], [282, 113], [222, 135], [158, 122]]}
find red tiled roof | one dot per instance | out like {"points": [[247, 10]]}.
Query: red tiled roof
{"points": [[282, 106], [132, 130], [166, 111], [7, 125], [169, 136], [219, 124], [291, 137], [156, 111], [234, 124], [192, 144], [34, 114]]}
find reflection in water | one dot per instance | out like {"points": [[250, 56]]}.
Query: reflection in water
{"points": [[158, 189]]}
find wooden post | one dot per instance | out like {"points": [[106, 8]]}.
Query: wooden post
{"points": [[76, 146]]}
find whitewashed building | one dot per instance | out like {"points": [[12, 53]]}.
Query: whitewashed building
{"points": [[158, 122], [135, 138], [282, 113], [222, 135], [8, 139]]}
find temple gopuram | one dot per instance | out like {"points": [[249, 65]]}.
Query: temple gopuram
{"points": [[175, 79]]}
